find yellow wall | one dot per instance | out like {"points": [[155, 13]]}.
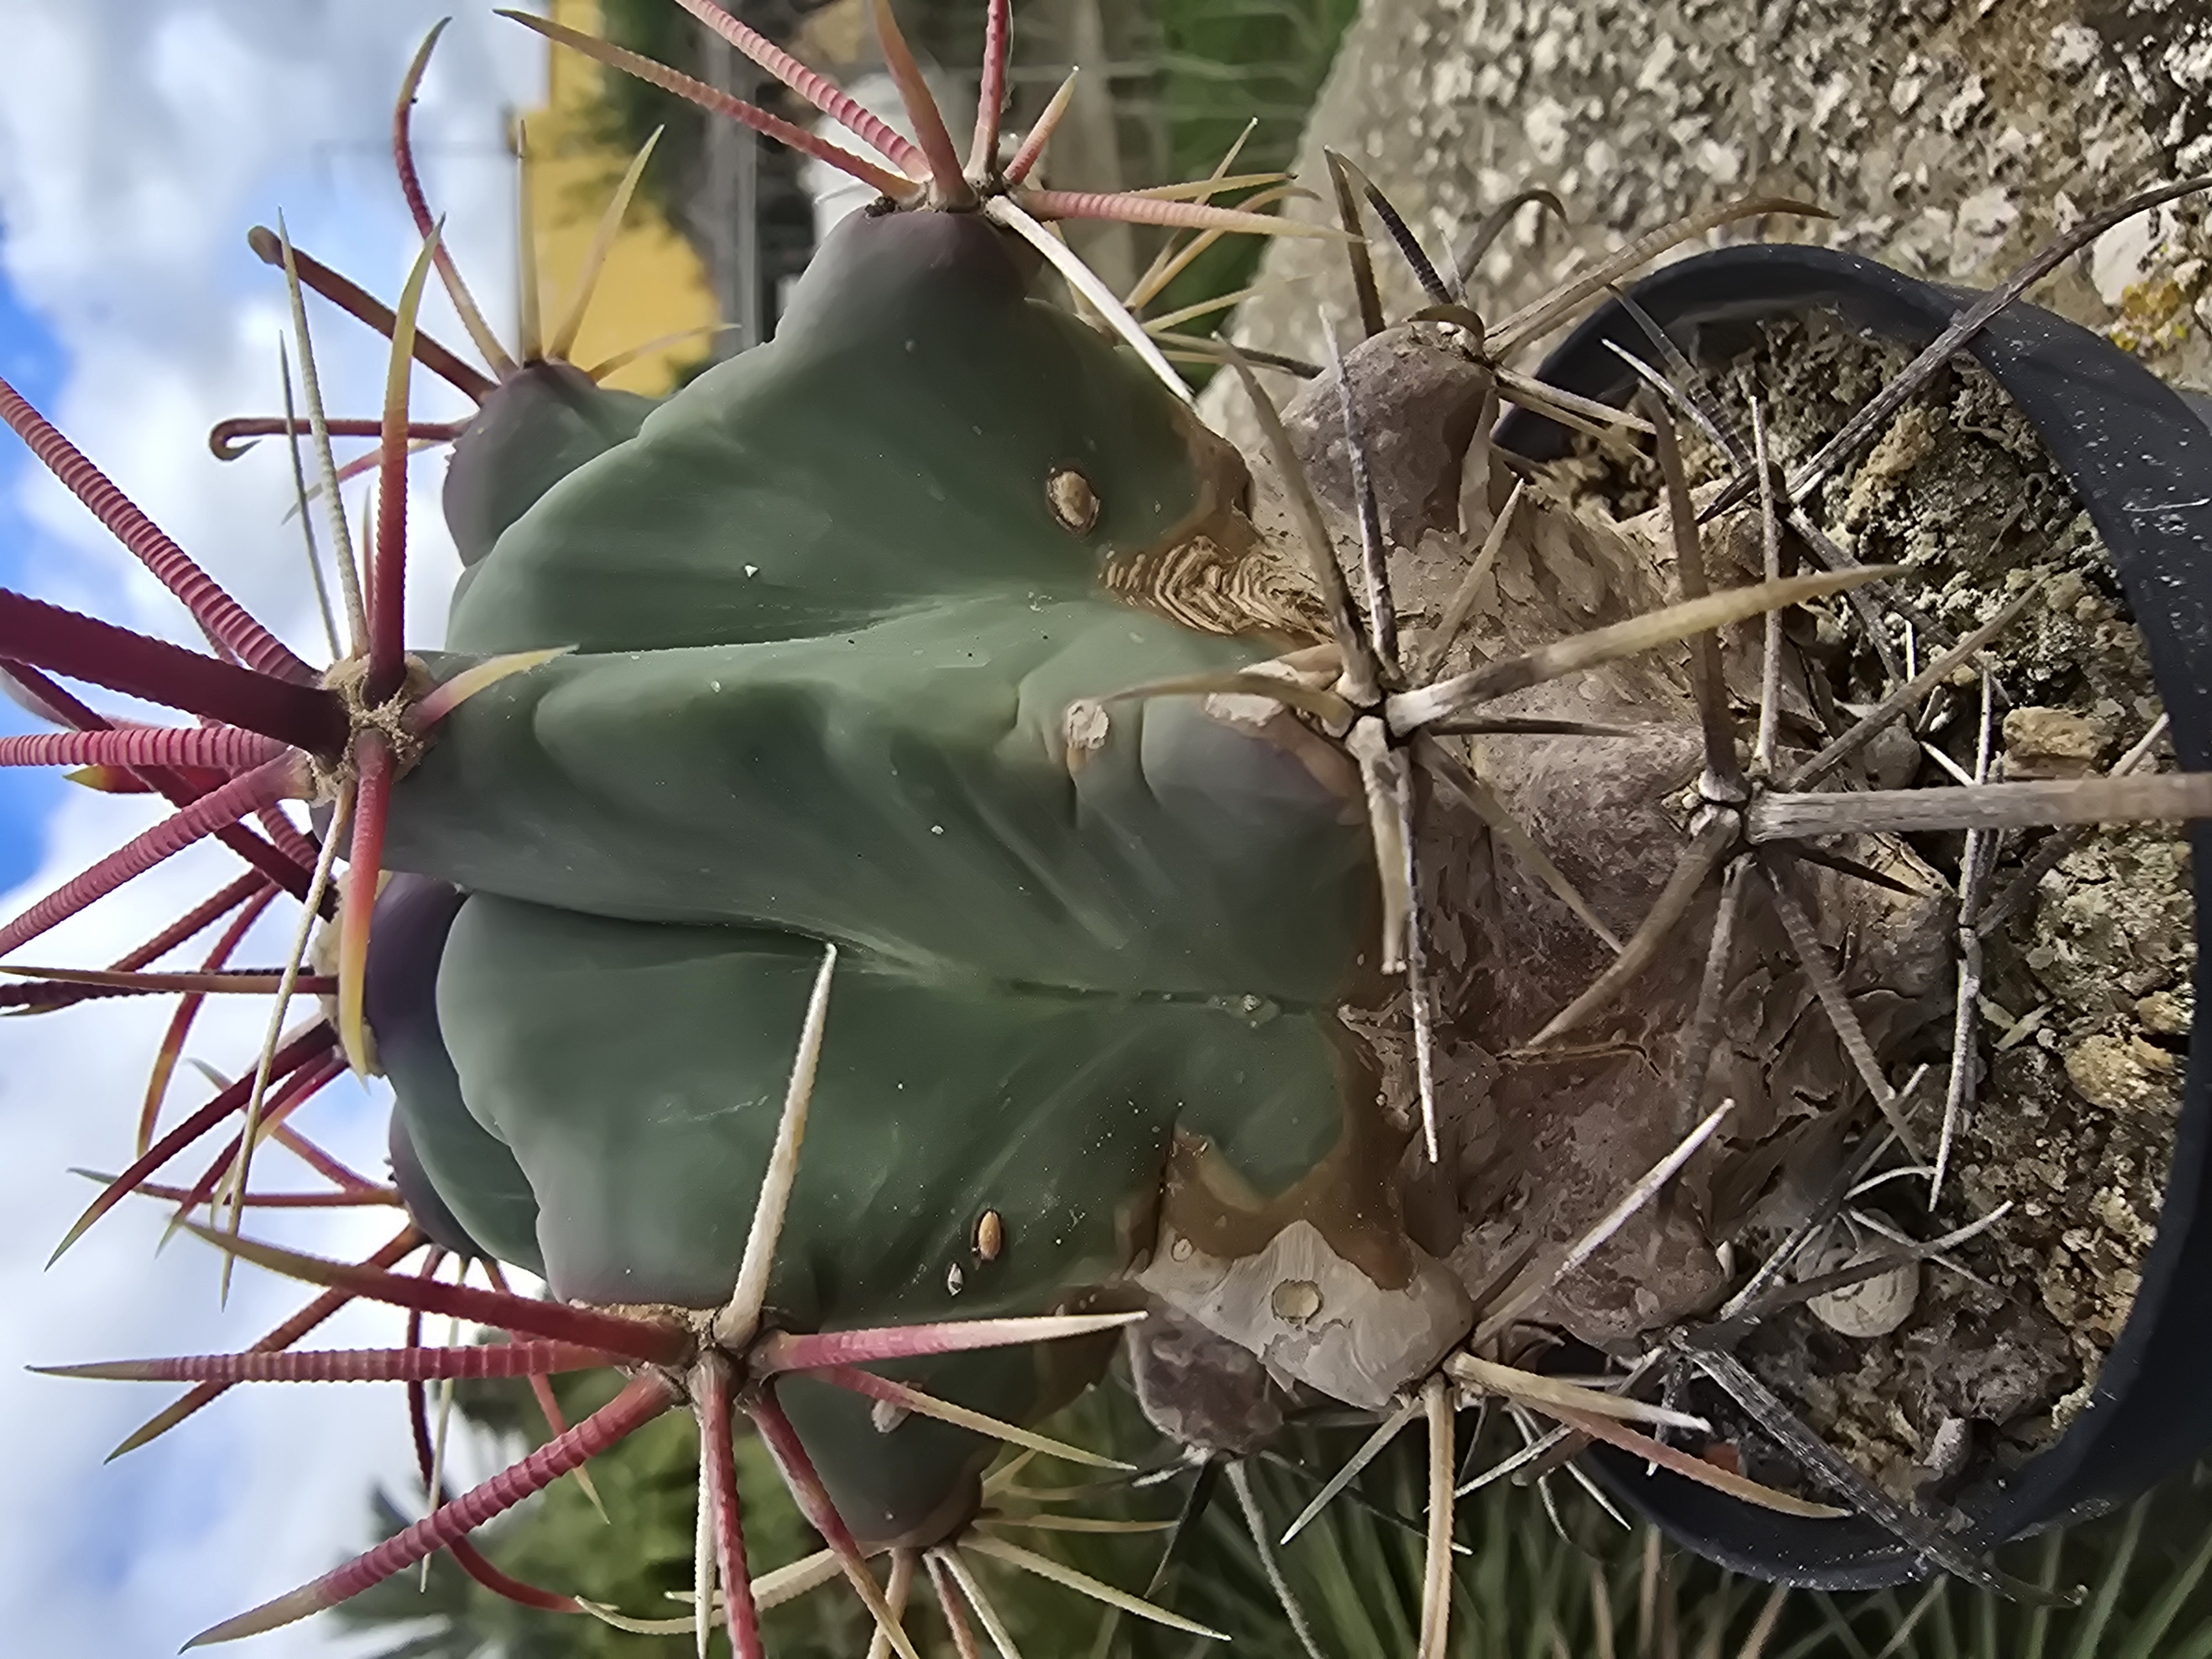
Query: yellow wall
{"points": [[654, 283]]}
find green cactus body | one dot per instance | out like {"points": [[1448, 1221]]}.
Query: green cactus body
{"points": [[911, 789], [537, 427], [638, 1072], [835, 603], [469, 1169], [889, 451]]}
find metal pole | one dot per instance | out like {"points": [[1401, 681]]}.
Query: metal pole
{"points": [[722, 186], [747, 316]]}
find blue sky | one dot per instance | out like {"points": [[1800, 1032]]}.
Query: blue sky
{"points": [[30, 360], [139, 139]]}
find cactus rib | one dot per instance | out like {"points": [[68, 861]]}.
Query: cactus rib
{"points": [[270, 781], [45, 637], [418, 206], [789, 1453], [472, 1361], [642, 1399], [894, 185], [637, 1339], [270, 247], [225, 622]]}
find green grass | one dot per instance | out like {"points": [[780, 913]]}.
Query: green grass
{"points": [[1220, 62], [1226, 61], [1524, 1591]]}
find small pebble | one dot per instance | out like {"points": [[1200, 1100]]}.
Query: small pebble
{"points": [[2053, 743], [2164, 1014], [1873, 1307], [1947, 1451], [2122, 1073]]}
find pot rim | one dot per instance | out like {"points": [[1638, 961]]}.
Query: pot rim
{"points": [[2140, 459]]}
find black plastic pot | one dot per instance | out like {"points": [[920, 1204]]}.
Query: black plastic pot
{"points": [[2140, 461]]}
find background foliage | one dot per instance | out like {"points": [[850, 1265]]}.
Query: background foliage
{"points": [[1187, 76], [1548, 1575]]}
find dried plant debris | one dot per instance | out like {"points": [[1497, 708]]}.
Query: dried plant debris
{"points": [[2083, 1012]]}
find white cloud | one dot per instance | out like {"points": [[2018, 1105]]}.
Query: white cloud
{"points": [[138, 140]]}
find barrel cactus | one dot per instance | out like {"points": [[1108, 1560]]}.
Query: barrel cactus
{"points": [[906, 867]]}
